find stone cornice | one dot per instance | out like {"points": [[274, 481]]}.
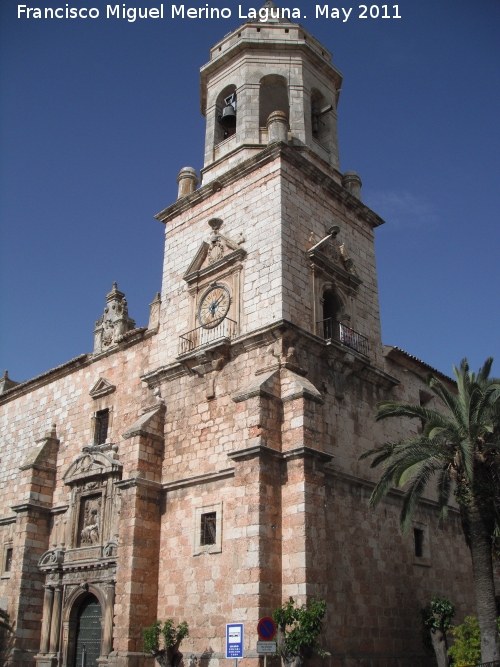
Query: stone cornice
{"points": [[8, 519], [369, 485], [263, 336], [142, 482], [307, 452], [60, 509], [298, 452], [45, 378], [131, 338], [165, 373], [269, 154], [252, 452], [198, 479], [30, 507]]}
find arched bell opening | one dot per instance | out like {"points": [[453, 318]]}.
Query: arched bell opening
{"points": [[225, 125], [332, 315], [321, 119], [273, 96]]}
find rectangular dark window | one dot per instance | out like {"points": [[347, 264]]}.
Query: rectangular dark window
{"points": [[418, 537], [101, 427], [8, 560], [208, 528]]}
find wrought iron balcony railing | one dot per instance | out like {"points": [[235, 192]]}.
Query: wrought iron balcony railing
{"points": [[200, 336], [330, 329]]}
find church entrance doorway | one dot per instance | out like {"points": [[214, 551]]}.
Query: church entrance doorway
{"points": [[88, 633]]}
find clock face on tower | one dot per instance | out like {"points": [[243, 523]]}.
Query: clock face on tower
{"points": [[214, 306]]}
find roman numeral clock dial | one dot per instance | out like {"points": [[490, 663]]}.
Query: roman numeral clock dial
{"points": [[214, 306]]}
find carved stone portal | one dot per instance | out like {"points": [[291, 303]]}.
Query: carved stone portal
{"points": [[85, 561]]}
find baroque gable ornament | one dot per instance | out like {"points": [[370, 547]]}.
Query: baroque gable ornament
{"points": [[332, 258], [92, 462], [102, 388], [115, 321], [215, 254]]}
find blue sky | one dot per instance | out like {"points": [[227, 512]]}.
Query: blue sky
{"points": [[98, 116]]}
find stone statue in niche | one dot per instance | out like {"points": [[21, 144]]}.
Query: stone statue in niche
{"points": [[90, 533]]}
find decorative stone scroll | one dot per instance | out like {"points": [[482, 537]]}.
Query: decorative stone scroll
{"points": [[332, 259], [94, 461]]}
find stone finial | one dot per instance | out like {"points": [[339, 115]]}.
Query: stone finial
{"points": [[215, 224], [52, 432], [114, 322], [154, 312], [352, 182], [6, 383], [270, 13], [187, 180], [277, 127]]}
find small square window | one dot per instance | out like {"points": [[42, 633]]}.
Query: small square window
{"points": [[7, 561], [207, 529], [421, 544], [101, 426], [418, 538]]}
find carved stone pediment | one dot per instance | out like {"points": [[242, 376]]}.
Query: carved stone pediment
{"points": [[92, 462], [51, 559], [101, 388], [214, 255], [332, 258]]}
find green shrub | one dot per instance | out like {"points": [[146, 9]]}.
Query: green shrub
{"points": [[466, 650], [438, 615], [298, 631], [167, 651]]}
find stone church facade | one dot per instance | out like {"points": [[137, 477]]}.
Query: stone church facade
{"points": [[206, 467]]}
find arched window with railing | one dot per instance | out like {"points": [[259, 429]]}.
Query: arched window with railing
{"points": [[332, 313]]}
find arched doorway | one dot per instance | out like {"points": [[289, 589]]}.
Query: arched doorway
{"points": [[88, 633]]}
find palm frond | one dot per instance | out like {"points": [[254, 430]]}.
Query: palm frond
{"points": [[381, 489], [450, 400], [460, 442], [466, 454], [484, 372], [444, 484], [414, 493], [388, 409]]}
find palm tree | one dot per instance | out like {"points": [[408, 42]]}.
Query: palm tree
{"points": [[460, 448]]}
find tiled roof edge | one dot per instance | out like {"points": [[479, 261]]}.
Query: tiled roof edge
{"points": [[418, 361]]}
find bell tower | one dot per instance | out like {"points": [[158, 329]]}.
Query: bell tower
{"points": [[292, 238], [268, 352], [261, 68]]}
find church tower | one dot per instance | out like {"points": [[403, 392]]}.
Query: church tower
{"points": [[268, 354], [290, 239]]}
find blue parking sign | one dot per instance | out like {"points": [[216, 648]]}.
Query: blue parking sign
{"points": [[234, 640]]}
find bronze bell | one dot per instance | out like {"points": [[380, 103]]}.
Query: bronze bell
{"points": [[228, 118]]}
